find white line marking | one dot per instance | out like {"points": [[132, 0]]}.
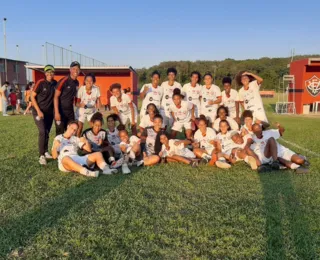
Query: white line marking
{"points": [[299, 147]]}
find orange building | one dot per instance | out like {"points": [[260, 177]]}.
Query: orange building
{"points": [[105, 76], [305, 91]]}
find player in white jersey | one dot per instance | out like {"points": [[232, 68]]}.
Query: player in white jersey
{"points": [[204, 141], [182, 113], [65, 149], [223, 114], [122, 106], [151, 93], [210, 98], [168, 87], [174, 150], [248, 122], [147, 120], [88, 101], [192, 92], [113, 133], [249, 95], [230, 99]]}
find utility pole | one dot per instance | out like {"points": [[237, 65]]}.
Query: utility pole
{"points": [[5, 47]]}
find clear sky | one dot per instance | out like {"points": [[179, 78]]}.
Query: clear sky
{"points": [[144, 33]]}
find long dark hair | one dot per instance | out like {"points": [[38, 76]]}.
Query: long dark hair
{"points": [[158, 144], [156, 111], [239, 76]]}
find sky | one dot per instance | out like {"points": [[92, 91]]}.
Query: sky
{"points": [[145, 33]]}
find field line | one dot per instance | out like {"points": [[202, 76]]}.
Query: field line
{"points": [[300, 147]]}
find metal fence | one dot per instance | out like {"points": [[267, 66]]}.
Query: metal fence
{"points": [[59, 56]]}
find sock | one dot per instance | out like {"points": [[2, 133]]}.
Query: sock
{"points": [[206, 156], [102, 165], [246, 159], [83, 171], [294, 166], [111, 159], [132, 155]]}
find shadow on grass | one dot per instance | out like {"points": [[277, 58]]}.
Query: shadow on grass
{"points": [[18, 231], [287, 228]]}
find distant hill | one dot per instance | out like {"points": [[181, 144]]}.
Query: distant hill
{"points": [[270, 69]]}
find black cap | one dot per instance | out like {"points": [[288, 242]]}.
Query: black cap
{"points": [[75, 63]]}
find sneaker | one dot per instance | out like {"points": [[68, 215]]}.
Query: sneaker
{"points": [[42, 160], [116, 164], [302, 170], [223, 165], [204, 161], [108, 171], [94, 174], [140, 163], [125, 169], [263, 168], [194, 164], [275, 165], [6, 115], [294, 166], [48, 155], [252, 162]]}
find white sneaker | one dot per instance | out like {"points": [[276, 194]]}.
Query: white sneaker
{"points": [[116, 164], [108, 171], [48, 155], [125, 169], [94, 174], [140, 163], [252, 162], [223, 165], [6, 115], [294, 166], [42, 160]]}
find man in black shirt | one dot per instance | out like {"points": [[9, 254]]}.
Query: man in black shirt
{"points": [[42, 100], [64, 98]]}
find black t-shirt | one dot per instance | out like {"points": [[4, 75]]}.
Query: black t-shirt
{"points": [[68, 88], [45, 94]]}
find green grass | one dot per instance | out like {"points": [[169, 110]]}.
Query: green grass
{"points": [[164, 212]]}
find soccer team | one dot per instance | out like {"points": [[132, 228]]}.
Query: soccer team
{"points": [[210, 123]]}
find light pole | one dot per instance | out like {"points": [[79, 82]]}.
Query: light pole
{"points": [[17, 67], [5, 47], [70, 46], [214, 77]]}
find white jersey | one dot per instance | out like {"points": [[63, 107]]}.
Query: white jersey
{"points": [[69, 146], [205, 140], [88, 99], [225, 142], [230, 102], [167, 95], [154, 95], [182, 114], [122, 106], [245, 141], [146, 122], [246, 128], [132, 141], [260, 143], [192, 94], [233, 124], [209, 94], [179, 150], [150, 134], [252, 101], [113, 137]]}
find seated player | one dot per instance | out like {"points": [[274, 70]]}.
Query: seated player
{"points": [[88, 101], [182, 113], [148, 139], [248, 122], [65, 149], [174, 150], [204, 140], [223, 114], [113, 133], [148, 118], [286, 157], [230, 99], [98, 139], [130, 147], [122, 106]]}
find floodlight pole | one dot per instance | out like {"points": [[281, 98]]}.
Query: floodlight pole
{"points": [[5, 47]]}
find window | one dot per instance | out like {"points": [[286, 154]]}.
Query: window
{"points": [[15, 68]]}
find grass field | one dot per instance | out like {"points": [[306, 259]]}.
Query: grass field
{"points": [[164, 212]]}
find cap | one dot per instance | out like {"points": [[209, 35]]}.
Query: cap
{"points": [[233, 133], [48, 67], [75, 63]]}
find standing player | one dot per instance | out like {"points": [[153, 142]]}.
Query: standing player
{"points": [[42, 100], [88, 101], [168, 87], [122, 106], [64, 98], [230, 99], [12, 100], [4, 97], [151, 93], [210, 98], [249, 95], [27, 96], [19, 98], [192, 92]]}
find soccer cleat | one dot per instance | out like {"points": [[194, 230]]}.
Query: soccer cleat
{"points": [[275, 165], [302, 170], [263, 168], [125, 169], [108, 171], [42, 160], [6, 115], [94, 174], [48, 155], [116, 164], [223, 165], [294, 166], [252, 162], [139, 163], [194, 164]]}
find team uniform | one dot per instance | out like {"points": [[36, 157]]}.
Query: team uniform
{"points": [[179, 150], [45, 94], [154, 95], [182, 116], [167, 101], [146, 122], [4, 101], [114, 140], [68, 88], [193, 94], [252, 101], [250, 132], [150, 134], [90, 100], [233, 124], [225, 142], [132, 141], [209, 94], [241, 146], [230, 102], [205, 140], [124, 108], [95, 139], [69, 147]]}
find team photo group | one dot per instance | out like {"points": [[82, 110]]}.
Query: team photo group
{"points": [[190, 124]]}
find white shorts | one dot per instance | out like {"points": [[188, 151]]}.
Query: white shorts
{"points": [[263, 159], [187, 153], [260, 115], [127, 117], [177, 126], [82, 160], [83, 114], [167, 118], [286, 154]]}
